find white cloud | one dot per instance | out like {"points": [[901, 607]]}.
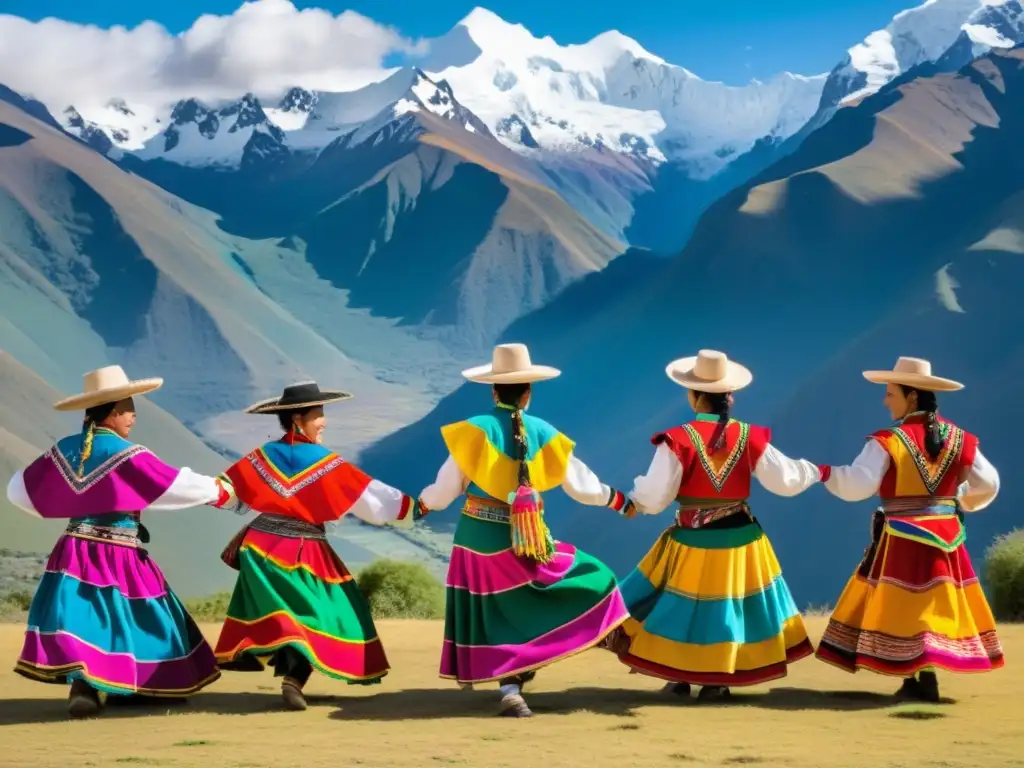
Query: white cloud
{"points": [[265, 46]]}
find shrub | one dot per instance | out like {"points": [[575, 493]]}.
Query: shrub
{"points": [[1004, 576], [209, 609], [401, 590]]}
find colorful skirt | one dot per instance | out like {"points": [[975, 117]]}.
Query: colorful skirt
{"points": [[296, 593], [508, 615], [710, 607], [913, 606], [104, 614]]}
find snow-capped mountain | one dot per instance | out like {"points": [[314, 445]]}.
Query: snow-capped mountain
{"points": [[231, 135], [923, 34], [125, 127], [316, 120], [611, 93]]}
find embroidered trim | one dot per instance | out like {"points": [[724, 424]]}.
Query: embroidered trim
{"points": [[718, 479], [288, 527], [932, 472], [282, 485], [82, 484]]}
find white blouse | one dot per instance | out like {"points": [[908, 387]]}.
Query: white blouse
{"points": [[580, 484], [861, 479], [775, 471]]}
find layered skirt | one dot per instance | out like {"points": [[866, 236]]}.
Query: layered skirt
{"points": [[104, 614], [293, 591], [913, 604], [710, 607], [508, 615]]}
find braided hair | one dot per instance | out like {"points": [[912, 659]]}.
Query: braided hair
{"points": [[718, 403], [928, 403], [509, 396], [93, 418]]}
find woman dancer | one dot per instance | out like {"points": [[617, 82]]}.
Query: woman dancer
{"points": [[914, 604], [709, 605], [103, 618], [295, 603], [517, 600]]}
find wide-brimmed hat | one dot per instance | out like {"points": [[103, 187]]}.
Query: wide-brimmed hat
{"points": [[510, 364], [709, 371], [913, 372], [104, 386], [305, 394]]}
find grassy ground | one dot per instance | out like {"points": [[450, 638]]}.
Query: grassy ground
{"points": [[590, 712]]}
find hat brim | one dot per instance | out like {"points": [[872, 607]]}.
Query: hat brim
{"points": [[915, 380], [736, 377], [484, 374], [84, 402], [274, 405]]}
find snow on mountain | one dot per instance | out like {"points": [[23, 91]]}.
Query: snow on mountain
{"points": [[609, 93], [126, 127], [230, 135], [293, 110], [991, 27], [919, 35]]}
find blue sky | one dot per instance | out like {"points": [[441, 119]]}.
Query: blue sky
{"points": [[730, 40]]}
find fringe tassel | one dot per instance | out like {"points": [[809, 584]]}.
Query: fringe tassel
{"points": [[530, 535]]}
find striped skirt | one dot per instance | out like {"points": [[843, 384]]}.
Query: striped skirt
{"points": [[710, 607], [508, 615], [913, 606], [296, 593], [104, 614]]}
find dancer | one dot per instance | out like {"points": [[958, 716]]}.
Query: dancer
{"points": [[914, 604], [517, 600], [103, 618], [295, 603], [709, 605]]}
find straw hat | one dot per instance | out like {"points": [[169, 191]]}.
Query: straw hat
{"points": [[104, 386], [305, 394], [913, 372], [709, 371], [510, 364]]}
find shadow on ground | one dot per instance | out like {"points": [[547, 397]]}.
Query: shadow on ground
{"points": [[433, 704], [440, 704]]}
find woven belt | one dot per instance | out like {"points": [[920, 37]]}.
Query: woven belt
{"points": [[288, 527], [488, 509], [699, 517], [125, 536], [920, 505]]}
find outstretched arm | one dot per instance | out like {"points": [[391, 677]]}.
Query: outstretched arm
{"points": [[861, 479], [18, 495], [191, 489], [380, 504], [784, 476], [446, 488], [659, 487], [583, 485], [981, 487]]}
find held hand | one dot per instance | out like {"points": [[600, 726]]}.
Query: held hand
{"points": [[825, 472]]}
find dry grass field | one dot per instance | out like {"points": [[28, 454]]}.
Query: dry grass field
{"points": [[589, 712]]}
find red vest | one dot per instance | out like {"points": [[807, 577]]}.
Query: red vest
{"points": [[723, 475], [912, 473]]}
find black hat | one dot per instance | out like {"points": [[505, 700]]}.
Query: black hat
{"points": [[305, 394]]}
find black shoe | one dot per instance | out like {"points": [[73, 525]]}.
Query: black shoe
{"points": [[83, 700], [678, 689], [928, 685]]}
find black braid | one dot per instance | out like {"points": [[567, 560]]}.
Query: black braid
{"points": [[929, 403], [718, 403], [510, 395]]}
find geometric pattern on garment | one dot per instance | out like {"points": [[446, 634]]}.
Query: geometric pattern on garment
{"points": [[932, 472], [82, 484], [718, 470], [287, 486]]}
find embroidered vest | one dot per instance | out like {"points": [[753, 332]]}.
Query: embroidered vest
{"points": [[720, 476]]}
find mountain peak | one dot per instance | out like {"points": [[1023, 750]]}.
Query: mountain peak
{"points": [[490, 32]]}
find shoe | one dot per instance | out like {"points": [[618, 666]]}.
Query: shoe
{"points": [[291, 692], [928, 685], [713, 693], [526, 677], [514, 705], [83, 700], [910, 690]]}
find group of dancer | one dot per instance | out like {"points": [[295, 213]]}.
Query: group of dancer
{"points": [[708, 605]]}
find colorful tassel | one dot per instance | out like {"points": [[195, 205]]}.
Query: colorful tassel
{"points": [[530, 535]]}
